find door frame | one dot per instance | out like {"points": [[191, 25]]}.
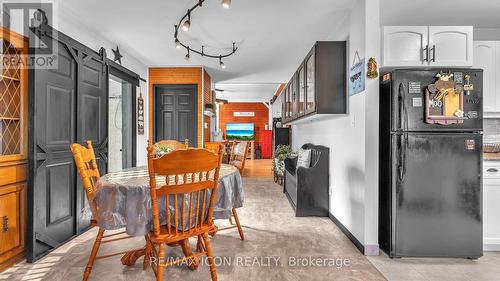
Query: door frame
{"points": [[174, 86], [123, 73]]}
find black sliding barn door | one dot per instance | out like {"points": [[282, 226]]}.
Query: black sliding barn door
{"points": [[67, 104]]}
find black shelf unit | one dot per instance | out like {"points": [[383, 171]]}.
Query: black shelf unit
{"points": [[319, 86]]}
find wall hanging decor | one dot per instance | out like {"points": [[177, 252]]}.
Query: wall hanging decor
{"points": [[185, 24], [357, 75], [140, 115], [372, 69]]}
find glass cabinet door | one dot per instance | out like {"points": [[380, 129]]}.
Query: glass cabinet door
{"points": [[302, 92], [310, 84], [294, 97], [289, 101], [11, 100]]}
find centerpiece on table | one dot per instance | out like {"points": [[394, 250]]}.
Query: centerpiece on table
{"points": [[162, 149]]}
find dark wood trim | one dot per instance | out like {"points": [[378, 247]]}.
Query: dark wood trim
{"points": [[123, 72], [152, 109], [347, 233]]}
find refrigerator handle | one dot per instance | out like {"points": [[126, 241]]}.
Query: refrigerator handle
{"points": [[402, 107], [402, 144]]}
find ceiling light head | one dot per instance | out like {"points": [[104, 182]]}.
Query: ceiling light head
{"points": [[177, 43], [186, 25], [222, 65], [226, 4], [187, 57]]}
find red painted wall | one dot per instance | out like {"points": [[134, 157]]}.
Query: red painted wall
{"points": [[260, 119]]}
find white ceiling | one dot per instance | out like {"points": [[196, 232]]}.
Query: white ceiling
{"points": [[247, 92], [479, 13], [272, 36]]}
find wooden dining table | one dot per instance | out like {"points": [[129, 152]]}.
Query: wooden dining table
{"points": [[122, 200]]}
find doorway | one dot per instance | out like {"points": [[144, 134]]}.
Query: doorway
{"points": [[175, 113], [121, 131]]}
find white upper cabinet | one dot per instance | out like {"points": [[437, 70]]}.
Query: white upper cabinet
{"points": [[404, 45], [428, 46], [450, 45], [485, 57]]}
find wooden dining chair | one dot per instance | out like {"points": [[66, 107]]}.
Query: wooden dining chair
{"points": [[214, 147], [239, 155], [192, 176], [86, 165], [175, 145]]}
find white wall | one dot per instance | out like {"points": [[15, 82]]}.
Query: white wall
{"points": [[277, 106], [91, 38], [353, 138]]}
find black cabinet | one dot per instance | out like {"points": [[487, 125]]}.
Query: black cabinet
{"points": [[319, 86]]}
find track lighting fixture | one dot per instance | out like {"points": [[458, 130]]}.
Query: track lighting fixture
{"points": [[185, 24], [226, 4]]}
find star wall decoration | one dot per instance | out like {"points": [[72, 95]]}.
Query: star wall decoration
{"points": [[118, 56]]}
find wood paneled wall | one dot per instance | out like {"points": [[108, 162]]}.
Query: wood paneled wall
{"points": [[181, 75], [260, 119]]}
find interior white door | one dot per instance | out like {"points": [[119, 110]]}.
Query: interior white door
{"points": [[451, 45], [405, 45], [485, 58]]}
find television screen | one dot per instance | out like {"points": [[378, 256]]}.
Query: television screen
{"points": [[240, 131]]}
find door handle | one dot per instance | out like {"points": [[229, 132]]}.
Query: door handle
{"points": [[433, 49], [492, 170], [426, 53]]}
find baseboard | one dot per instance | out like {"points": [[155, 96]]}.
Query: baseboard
{"points": [[347, 233], [491, 244]]}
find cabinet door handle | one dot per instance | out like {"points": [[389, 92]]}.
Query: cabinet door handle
{"points": [[433, 49], [492, 170], [426, 53], [5, 223]]}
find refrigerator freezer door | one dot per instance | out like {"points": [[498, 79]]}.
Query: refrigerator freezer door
{"points": [[438, 195], [408, 100]]}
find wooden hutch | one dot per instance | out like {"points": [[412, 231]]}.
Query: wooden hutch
{"points": [[13, 146]]}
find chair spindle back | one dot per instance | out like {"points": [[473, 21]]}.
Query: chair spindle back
{"points": [[191, 176], [86, 165]]}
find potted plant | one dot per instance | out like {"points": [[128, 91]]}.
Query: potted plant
{"points": [[209, 107], [280, 154]]}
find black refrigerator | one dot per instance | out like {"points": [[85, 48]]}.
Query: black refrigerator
{"points": [[430, 169]]}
